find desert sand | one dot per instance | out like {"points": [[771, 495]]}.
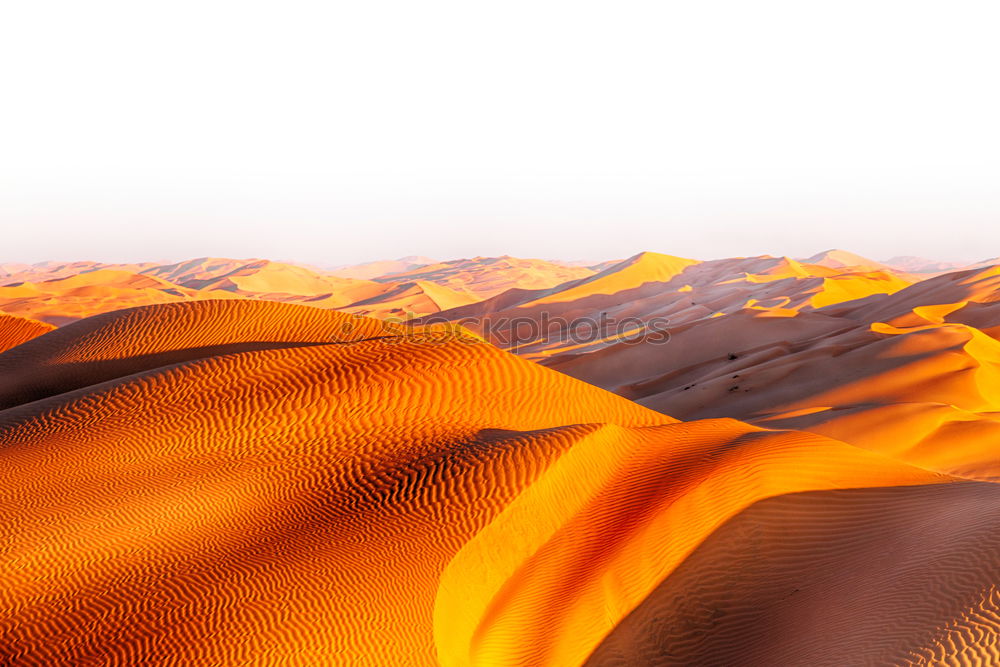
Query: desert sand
{"points": [[210, 462]]}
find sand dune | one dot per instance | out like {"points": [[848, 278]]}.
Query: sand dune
{"points": [[251, 480], [236, 489], [922, 265], [62, 300], [652, 287], [60, 293], [16, 330], [261, 278], [842, 259], [908, 374], [404, 300], [489, 276]]}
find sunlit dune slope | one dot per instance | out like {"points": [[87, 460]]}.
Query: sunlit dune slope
{"points": [[16, 330], [245, 482], [966, 297], [639, 270]]}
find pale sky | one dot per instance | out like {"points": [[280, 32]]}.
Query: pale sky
{"points": [[341, 132]]}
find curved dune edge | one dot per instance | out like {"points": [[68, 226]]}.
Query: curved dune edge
{"points": [[16, 330], [580, 548]]}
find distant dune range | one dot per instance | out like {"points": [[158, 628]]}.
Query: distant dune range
{"points": [[651, 285], [231, 475], [60, 293]]}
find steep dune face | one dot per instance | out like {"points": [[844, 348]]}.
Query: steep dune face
{"points": [[573, 554], [915, 303], [636, 271], [278, 490]]}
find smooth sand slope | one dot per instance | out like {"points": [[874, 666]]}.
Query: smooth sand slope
{"points": [[244, 482]]}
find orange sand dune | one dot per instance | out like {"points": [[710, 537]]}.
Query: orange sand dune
{"points": [[62, 300], [261, 278], [404, 300], [489, 276], [16, 330], [243, 482], [129, 341], [63, 293]]}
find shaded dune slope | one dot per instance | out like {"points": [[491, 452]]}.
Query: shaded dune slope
{"points": [[264, 495]]}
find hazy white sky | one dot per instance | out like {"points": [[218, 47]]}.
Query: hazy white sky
{"points": [[336, 132]]}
